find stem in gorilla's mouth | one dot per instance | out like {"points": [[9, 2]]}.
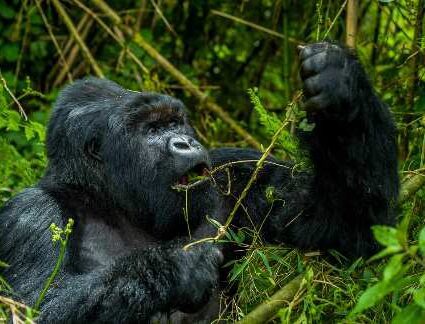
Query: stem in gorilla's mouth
{"points": [[194, 175]]}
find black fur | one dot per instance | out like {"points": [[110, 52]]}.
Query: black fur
{"points": [[112, 163]]}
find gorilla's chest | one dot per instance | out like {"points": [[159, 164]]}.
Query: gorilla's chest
{"points": [[99, 243]]}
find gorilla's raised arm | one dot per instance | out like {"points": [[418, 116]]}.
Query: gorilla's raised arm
{"points": [[354, 184]]}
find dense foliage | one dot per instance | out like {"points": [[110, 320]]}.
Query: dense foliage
{"points": [[225, 48]]}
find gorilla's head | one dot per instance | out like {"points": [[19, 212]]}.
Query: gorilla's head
{"points": [[127, 150]]}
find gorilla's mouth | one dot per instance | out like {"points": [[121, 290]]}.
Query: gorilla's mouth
{"points": [[197, 174]]}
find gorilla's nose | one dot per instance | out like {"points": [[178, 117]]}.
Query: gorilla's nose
{"points": [[184, 145], [187, 152]]}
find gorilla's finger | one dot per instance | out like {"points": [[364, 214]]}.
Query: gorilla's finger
{"points": [[319, 102], [313, 65], [218, 256], [313, 49], [312, 86]]}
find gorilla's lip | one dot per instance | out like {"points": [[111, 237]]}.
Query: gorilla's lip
{"points": [[196, 174]]}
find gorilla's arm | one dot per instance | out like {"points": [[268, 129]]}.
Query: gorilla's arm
{"points": [[354, 183], [132, 288]]}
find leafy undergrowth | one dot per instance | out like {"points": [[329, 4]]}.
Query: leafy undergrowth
{"points": [[388, 288]]}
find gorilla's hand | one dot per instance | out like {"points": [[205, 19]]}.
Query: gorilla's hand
{"points": [[197, 275], [332, 77]]}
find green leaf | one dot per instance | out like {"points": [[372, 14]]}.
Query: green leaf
{"points": [[412, 314], [386, 235], [237, 270], [29, 133], [372, 296], [13, 120], [265, 261], [422, 241], [419, 297], [6, 11], [3, 101], [10, 52], [393, 267], [270, 194], [386, 252]]}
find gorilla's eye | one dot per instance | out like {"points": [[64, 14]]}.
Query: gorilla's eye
{"points": [[152, 130], [173, 124]]}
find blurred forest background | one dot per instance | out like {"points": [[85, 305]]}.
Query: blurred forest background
{"points": [[208, 54]]}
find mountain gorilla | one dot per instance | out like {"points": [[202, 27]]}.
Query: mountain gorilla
{"points": [[114, 156]]}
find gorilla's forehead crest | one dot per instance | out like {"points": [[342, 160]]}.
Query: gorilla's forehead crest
{"points": [[151, 107]]}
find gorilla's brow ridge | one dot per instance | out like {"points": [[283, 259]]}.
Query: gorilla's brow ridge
{"points": [[156, 112]]}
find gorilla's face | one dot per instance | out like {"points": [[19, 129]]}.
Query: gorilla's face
{"points": [[153, 150]]}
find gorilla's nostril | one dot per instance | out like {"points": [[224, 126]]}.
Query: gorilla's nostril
{"points": [[181, 145]]}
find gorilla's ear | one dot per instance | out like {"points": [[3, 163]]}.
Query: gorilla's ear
{"points": [[92, 149]]}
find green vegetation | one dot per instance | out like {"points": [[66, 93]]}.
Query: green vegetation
{"points": [[218, 50]]}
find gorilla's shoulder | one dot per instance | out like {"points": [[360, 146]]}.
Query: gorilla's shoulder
{"points": [[27, 209], [220, 156], [244, 160]]}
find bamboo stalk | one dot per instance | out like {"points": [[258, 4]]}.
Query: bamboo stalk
{"points": [[62, 59], [117, 35], [410, 186], [351, 23], [265, 311], [73, 52], [413, 79], [70, 42], [84, 49], [102, 5]]}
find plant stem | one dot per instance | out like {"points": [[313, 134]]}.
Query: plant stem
{"points": [[53, 275]]}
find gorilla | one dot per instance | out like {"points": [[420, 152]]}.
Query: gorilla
{"points": [[114, 156]]}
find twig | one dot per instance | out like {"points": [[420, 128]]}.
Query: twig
{"points": [[86, 52], [21, 109], [223, 229], [253, 176], [255, 26], [336, 17], [265, 311], [118, 38], [55, 42], [15, 307], [161, 15]]}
